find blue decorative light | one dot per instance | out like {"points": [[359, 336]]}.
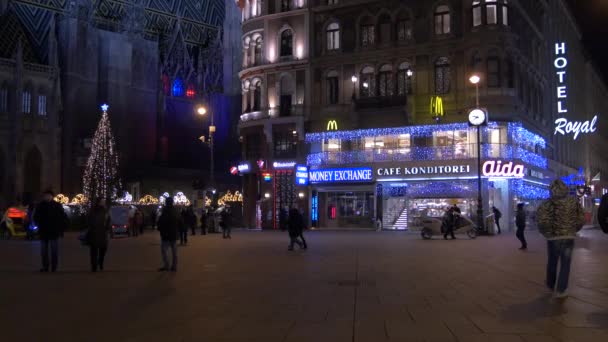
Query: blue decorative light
{"points": [[314, 212], [105, 107], [522, 136], [526, 191], [419, 131], [452, 189], [531, 158], [178, 87]]}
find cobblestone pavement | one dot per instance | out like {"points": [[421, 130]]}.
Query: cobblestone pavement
{"points": [[348, 286]]}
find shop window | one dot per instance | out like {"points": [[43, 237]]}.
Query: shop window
{"points": [[42, 105], [333, 36], [332, 145], [442, 75], [442, 20], [286, 43], [285, 145], [332, 87], [385, 81], [26, 106], [452, 144], [497, 141]]}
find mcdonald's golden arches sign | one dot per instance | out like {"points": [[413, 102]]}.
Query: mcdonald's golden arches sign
{"points": [[436, 109], [332, 125]]}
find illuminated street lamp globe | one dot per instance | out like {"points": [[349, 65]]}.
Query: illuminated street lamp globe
{"points": [[354, 79], [201, 110], [474, 79]]}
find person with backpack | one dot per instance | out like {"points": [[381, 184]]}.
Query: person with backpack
{"points": [[559, 219], [51, 221], [602, 214], [497, 216], [169, 223], [520, 223]]}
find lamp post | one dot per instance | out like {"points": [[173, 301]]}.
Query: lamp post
{"points": [[477, 117], [354, 80], [202, 111]]}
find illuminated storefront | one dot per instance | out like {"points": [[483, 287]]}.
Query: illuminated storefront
{"points": [[393, 177]]}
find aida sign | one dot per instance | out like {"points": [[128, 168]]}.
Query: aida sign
{"points": [[502, 169], [564, 126]]}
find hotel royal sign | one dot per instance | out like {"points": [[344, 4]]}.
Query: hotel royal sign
{"points": [[564, 126]]}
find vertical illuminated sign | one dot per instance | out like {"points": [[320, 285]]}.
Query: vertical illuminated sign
{"points": [[562, 125]]}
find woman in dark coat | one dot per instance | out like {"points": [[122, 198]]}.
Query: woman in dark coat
{"points": [[97, 236]]}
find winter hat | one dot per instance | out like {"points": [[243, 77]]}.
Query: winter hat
{"points": [[559, 189]]}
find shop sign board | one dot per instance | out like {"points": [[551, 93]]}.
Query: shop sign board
{"points": [[284, 164], [301, 175], [502, 169], [424, 170], [344, 175], [244, 167]]}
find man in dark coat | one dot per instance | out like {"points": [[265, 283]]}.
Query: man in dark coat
{"points": [[225, 224], [97, 235], [295, 226], [169, 223], [602, 214], [51, 221], [520, 223], [497, 216]]}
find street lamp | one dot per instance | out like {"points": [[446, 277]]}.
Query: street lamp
{"points": [[478, 117], [409, 73], [354, 80], [201, 110]]}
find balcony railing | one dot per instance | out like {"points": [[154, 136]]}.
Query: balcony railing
{"points": [[297, 110], [466, 151]]}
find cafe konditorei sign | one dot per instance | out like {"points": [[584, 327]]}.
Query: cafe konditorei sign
{"points": [[423, 171], [564, 126]]}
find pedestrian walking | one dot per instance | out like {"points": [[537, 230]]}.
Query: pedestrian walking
{"points": [[294, 227], [169, 223], [183, 229], [99, 225], [559, 218], [302, 228], [497, 216], [138, 220], [451, 220], [520, 223], [602, 214], [52, 221], [204, 222], [190, 220], [225, 224]]}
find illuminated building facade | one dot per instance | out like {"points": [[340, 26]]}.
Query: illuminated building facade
{"points": [[340, 68]]}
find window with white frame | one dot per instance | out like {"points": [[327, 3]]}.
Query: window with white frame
{"points": [[442, 20], [333, 36], [26, 106], [491, 12], [477, 13], [42, 105]]}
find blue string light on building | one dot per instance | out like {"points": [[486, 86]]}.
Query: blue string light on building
{"points": [[526, 191]]}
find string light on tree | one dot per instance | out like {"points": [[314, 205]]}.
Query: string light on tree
{"points": [[101, 173]]}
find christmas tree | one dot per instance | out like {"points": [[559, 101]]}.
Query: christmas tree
{"points": [[101, 173]]}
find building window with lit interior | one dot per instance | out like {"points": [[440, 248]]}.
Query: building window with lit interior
{"points": [[404, 80], [286, 43], [385, 80], [368, 82], [333, 89], [42, 105], [333, 36], [496, 11], [442, 20], [442, 75], [26, 106], [368, 32], [404, 27]]}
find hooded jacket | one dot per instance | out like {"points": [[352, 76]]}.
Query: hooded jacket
{"points": [[561, 216]]}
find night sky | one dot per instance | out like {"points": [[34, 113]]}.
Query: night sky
{"points": [[592, 16]]}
